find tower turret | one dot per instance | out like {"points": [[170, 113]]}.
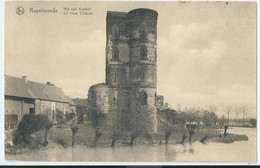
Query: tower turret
{"points": [[131, 68], [143, 66]]}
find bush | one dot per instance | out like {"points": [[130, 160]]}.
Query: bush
{"points": [[29, 124], [253, 122], [60, 117], [70, 116]]}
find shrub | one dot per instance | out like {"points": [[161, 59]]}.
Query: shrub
{"points": [[60, 117], [253, 122], [29, 124], [70, 116], [80, 118]]}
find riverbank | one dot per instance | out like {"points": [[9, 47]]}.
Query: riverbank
{"points": [[62, 138], [240, 151]]}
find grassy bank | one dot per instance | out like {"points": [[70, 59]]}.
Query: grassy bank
{"points": [[62, 138]]}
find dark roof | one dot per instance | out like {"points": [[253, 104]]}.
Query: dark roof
{"points": [[81, 102], [19, 88]]}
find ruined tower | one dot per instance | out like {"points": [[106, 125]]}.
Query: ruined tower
{"points": [[131, 67]]}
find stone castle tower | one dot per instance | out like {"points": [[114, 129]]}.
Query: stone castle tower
{"points": [[129, 93]]}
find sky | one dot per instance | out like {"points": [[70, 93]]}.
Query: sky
{"points": [[206, 50]]}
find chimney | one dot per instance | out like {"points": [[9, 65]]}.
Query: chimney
{"points": [[49, 83], [24, 78]]}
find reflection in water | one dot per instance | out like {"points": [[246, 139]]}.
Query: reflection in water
{"points": [[169, 151], [191, 150], [242, 151]]}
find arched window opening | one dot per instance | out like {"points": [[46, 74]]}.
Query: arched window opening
{"points": [[114, 77], [115, 33], [143, 32], [115, 54], [143, 53], [143, 98], [143, 75]]}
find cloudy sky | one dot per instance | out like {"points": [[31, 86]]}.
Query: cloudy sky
{"points": [[206, 50]]}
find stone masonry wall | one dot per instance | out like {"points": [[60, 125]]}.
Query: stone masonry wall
{"points": [[129, 96]]}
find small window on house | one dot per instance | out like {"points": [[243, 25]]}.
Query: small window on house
{"points": [[143, 98], [143, 53], [31, 110], [115, 54]]}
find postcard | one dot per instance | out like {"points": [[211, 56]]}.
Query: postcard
{"points": [[135, 81]]}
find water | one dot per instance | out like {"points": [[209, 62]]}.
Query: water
{"points": [[241, 151]]}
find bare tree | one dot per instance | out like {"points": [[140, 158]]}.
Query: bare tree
{"points": [[222, 121], [244, 110], [237, 111], [212, 108], [179, 108], [227, 110]]}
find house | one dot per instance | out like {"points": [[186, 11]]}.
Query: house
{"points": [[23, 96]]}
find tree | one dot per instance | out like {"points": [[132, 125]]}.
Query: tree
{"points": [[244, 110], [222, 121], [227, 110], [181, 118], [213, 108], [167, 121], [253, 122], [47, 127], [74, 130], [237, 111], [209, 118], [191, 115], [214, 118], [97, 136], [60, 117], [206, 117]]}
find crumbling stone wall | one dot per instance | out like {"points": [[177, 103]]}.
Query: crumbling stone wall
{"points": [[159, 102]]}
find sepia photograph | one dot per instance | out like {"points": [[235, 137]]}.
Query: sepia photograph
{"points": [[133, 81]]}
